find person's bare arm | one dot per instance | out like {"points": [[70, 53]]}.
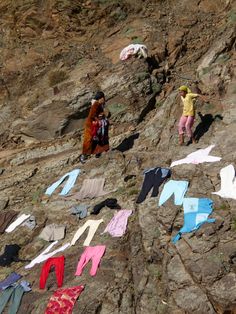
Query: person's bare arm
{"points": [[203, 97]]}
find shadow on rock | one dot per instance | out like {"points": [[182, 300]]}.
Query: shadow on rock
{"points": [[127, 143], [150, 106], [204, 125]]}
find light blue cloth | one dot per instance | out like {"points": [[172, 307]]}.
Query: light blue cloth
{"points": [[25, 285], [80, 211], [196, 212], [72, 176], [178, 188]]}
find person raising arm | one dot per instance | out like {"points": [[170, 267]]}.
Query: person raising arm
{"points": [[187, 119]]}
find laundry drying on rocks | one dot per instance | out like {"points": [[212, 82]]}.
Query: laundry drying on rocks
{"points": [[109, 202], [134, 50], [80, 211], [70, 178], [13, 295], [53, 232], [91, 188], [153, 178], [176, 188], [198, 157], [228, 183]]}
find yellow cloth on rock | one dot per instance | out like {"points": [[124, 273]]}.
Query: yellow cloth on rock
{"points": [[189, 109]]}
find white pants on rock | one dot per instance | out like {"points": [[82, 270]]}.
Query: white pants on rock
{"points": [[93, 225], [17, 222], [45, 255]]}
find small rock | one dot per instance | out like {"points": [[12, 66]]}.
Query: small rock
{"points": [[4, 203]]}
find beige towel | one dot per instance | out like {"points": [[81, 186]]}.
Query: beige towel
{"points": [[53, 232], [91, 188]]}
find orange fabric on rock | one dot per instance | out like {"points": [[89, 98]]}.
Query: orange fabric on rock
{"points": [[100, 149], [88, 146], [95, 110]]}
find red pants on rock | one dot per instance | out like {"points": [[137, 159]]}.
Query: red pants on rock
{"points": [[59, 264], [62, 301]]}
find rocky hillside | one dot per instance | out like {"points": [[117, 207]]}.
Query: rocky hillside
{"points": [[54, 55]]}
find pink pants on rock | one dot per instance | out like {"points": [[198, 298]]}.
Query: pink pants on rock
{"points": [[91, 252], [186, 123]]}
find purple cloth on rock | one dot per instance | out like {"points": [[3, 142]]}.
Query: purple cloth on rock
{"points": [[12, 278]]}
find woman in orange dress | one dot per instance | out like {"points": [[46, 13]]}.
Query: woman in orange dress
{"points": [[94, 143]]}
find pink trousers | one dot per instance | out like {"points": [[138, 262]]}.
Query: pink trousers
{"points": [[91, 252], [185, 124]]}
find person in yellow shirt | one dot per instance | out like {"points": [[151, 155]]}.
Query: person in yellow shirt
{"points": [[187, 119]]}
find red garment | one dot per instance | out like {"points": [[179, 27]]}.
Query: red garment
{"points": [[58, 263], [62, 301], [95, 128]]}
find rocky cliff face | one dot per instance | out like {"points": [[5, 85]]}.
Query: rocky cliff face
{"points": [[54, 56]]}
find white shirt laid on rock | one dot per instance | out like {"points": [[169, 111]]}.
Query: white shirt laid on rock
{"points": [[228, 183], [198, 157]]}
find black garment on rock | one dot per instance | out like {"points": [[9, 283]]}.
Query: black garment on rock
{"points": [[154, 177], [10, 255], [109, 202]]}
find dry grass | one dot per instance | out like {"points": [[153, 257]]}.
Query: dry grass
{"points": [[57, 77]]}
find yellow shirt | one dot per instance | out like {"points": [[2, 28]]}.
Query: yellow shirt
{"points": [[189, 109]]}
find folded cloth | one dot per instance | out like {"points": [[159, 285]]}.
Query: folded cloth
{"points": [[25, 285], [53, 232], [30, 223], [80, 211], [109, 202]]}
